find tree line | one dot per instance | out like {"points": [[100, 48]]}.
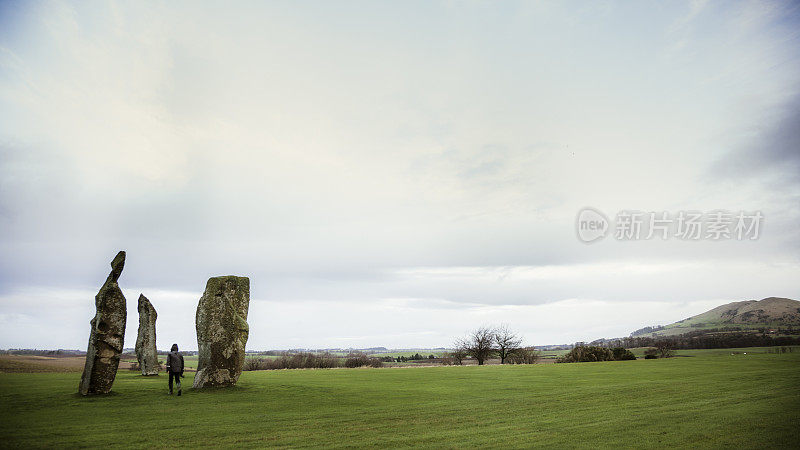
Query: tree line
{"points": [[706, 339], [583, 353], [414, 357], [308, 360]]}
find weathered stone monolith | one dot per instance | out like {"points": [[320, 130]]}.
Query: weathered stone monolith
{"points": [[107, 335], [222, 331], [146, 351]]}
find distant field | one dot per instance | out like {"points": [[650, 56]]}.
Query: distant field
{"points": [[30, 363], [712, 399], [13, 363], [553, 353], [423, 352], [681, 328]]}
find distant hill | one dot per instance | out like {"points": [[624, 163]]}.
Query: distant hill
{"points": [[771, 312]]}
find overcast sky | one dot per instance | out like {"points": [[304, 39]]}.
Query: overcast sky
{"points": [[391, 173]]}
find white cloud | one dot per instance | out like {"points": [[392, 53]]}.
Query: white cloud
{"points": [[430, 306], [364, 152]]}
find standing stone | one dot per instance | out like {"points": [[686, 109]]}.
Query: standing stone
{"points": [[107, 334], [222, 331], [146, 351]]}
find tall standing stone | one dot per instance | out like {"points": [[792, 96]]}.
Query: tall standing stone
{"points": [[107, 335], [146, 351], [222, 331]]}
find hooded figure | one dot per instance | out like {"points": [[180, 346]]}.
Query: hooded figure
{"points": [[175, 367]]}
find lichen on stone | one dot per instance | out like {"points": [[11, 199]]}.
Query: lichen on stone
{"points": [[222, 331], [107, 334]]}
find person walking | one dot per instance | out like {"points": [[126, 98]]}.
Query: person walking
{"points": [[175, 368]]}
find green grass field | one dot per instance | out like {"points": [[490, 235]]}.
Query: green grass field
{"points": [[710, 400]]}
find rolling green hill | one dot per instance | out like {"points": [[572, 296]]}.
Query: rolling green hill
{"points": [[707, 399], [771, 312]]}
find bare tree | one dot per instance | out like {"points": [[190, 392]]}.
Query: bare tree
{"points": [[507, 342], [478, 344], [456, 357]]}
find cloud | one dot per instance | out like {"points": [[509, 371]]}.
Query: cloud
{"points": [[366, 152], [768, 162], [422, 306], [388, 322], [772, 155]]}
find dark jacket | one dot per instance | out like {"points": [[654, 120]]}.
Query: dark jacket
{"points": [[174, 362]]}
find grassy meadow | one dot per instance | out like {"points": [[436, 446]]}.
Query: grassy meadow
{"points": [[709, 399]]}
